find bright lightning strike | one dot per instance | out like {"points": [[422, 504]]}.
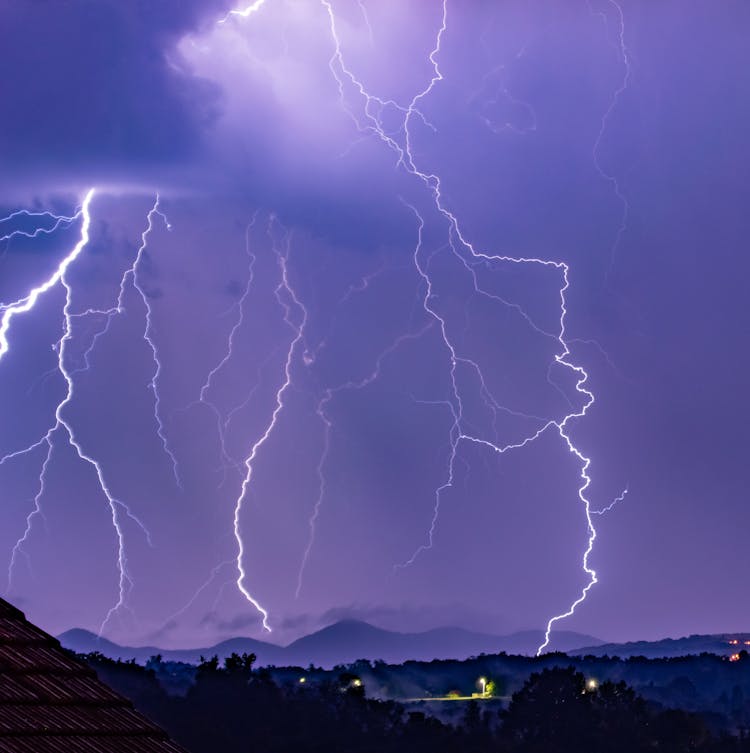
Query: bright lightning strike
{"points": [[284, 288], [61, 424], [245, 12], [372, 123], [131, 275], [25, 304]]}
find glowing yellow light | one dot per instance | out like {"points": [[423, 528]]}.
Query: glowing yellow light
{"points": [[592, 684], [734, 657], [357, 683], [303, 680]]}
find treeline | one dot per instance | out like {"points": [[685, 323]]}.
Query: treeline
{"points": [[706, 683], [237, 709]]}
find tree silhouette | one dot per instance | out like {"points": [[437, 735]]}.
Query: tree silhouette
{"points": [[551, 713]]}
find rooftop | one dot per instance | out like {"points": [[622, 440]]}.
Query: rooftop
{"points": [[52, 703]]}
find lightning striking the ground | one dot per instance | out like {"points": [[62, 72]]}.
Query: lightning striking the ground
{"points": [[284, 288], [467, 379], [432, 182]]}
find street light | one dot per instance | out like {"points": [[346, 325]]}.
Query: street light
{"points": [[592, 684], [483, 681]]}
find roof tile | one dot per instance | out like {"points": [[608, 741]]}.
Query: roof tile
{"points": [[52, 703]]}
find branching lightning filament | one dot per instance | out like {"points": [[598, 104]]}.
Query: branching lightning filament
{"points": [[403, 146], [62, 425]]}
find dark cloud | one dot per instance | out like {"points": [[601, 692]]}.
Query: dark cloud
{"points": [[242, 621], [94, 87], [403, 617], [111, 89]]}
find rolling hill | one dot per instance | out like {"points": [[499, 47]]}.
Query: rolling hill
{"points": [[342, 643], [723, 644]]}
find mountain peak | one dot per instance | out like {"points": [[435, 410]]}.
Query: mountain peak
{"points": [[342, 642]]}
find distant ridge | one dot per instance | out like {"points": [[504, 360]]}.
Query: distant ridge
{"points": [[84, 641], [722, 644], [342, 643]]}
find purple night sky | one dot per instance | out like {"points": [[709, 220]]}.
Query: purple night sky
{"points": [[304, 324]]}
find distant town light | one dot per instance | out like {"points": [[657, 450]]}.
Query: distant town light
{"points": [[592, 684], [734, 657], [733, 642], [302, 680], [357, 682]]}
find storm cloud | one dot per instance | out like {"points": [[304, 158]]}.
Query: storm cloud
{"points": [[557, 134]]}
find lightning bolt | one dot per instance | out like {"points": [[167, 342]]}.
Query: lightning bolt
{"points": [[366, 19], [36, 511], [354, 289], [249, 396], [322, 412], [614, 101], [212, 576], [245, 12], [222, 422], [284, 288], [27, 303], [374, 106], [61, 425], [457, 434], [502, 89], [373, 125], [455, 405], [203, 399], [614, 503], [598, 347], [369, 120], [328, 395], [148, 334], [59, 221], [131, 275]]}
